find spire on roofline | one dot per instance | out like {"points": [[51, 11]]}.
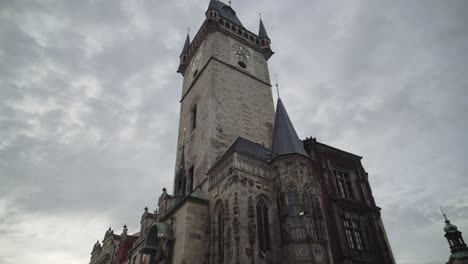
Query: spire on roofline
{"points": [[262, 31], [213, 4], [458, 247], [223, 10], [181, 180], [186, 45], [285, 139]]}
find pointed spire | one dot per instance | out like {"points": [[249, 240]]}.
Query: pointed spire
{"points": [[180, 177], [285, 139], [277, 89], [262, 31], [213, 4], [96, 247], [445, 216], [186, 45]]}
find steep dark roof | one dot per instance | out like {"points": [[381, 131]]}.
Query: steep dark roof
{"points": [[247, 147], [213, 4], [262, 31], [225, 11], [186, 45], [250, 148], [285, 139]]}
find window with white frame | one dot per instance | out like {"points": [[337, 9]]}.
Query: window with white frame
{"points": [[354, 234]]}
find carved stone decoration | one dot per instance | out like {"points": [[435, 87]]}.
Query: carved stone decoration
{"points": [[268, 258], [285, 230], [317, 251], [252, 227], [243, 180], [226, 211], [227, 231], [236, 225], [251, 182], [277, 185], [207, 245], [229, 249], [251, 207]]}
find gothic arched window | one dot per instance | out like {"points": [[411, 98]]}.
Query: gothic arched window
{"points": [[297, 230], [263, 227], [311, 207]]}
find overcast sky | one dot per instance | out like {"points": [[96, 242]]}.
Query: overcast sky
{"points": [[89, 100]]}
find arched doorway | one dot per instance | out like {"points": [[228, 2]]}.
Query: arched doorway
{"points": [[158, 244]]}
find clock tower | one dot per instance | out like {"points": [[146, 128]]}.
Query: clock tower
{"points": [[246, 188], [226, 91]]}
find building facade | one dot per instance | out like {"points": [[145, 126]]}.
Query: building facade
{"points": [[246, 188]]}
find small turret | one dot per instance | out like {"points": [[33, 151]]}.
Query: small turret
{"points": [[164, 203], [265, 41], [454, 237], [184, 55], [212, 12], [217, 9], [96, 247], [262, 31], [180, 184], [124, 232], [108, 234]]}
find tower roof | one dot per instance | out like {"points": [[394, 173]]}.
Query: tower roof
{"points": [[262, 31], [285, 139], [186, 45], [225, 11], [213, 4], [449, 227]]}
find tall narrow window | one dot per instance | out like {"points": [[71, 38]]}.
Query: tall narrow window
{"points": [[294, 209], [220, 236], [190, 180], [279, 205], [181, 186], [193, 118], [311, 207], [354, 234], [343, 184], [263, 228]]}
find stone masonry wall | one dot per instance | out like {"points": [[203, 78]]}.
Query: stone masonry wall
{"points": [[230, 101]]}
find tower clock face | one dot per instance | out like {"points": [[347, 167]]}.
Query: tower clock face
{"points": [[241, 52], [196, 62]]}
